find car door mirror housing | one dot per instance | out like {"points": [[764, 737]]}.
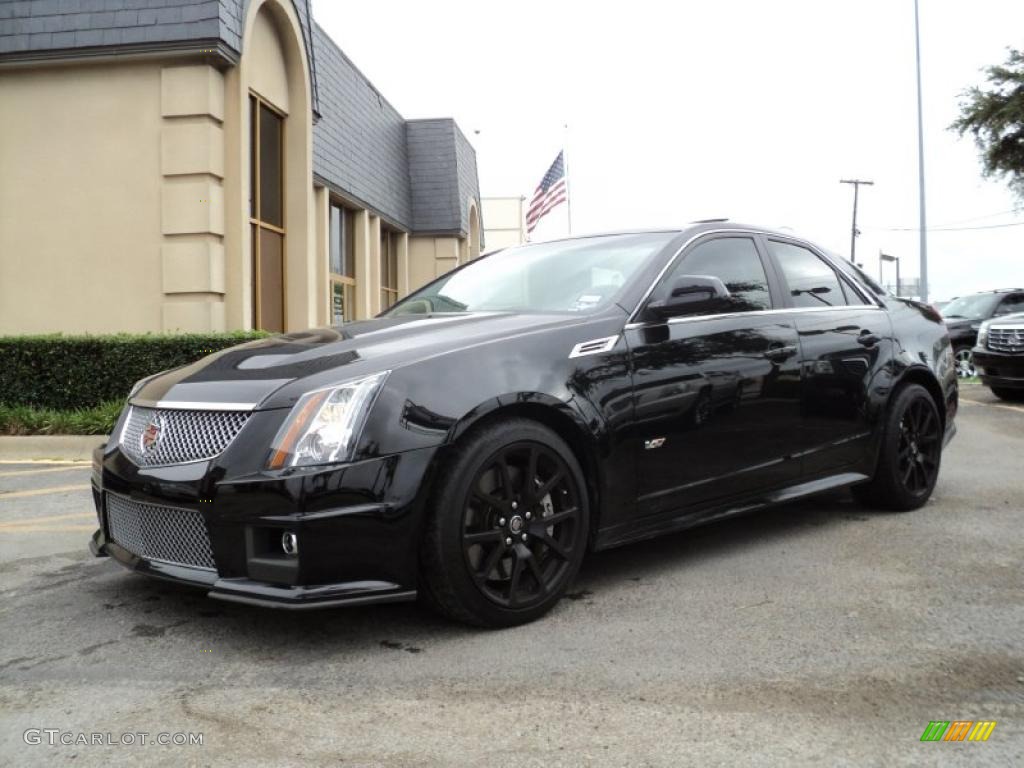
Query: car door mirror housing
{"points": [[691, 294]]}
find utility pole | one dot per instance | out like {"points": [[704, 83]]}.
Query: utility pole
{"points": [[923, 288], [853, 229]]}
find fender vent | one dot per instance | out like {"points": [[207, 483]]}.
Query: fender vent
{"points": [[594, 347]]}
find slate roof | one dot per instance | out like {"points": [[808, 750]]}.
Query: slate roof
{"points": [[417, 174]]}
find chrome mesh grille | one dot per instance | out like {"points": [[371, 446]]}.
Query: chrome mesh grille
{"points": [[1006, 339], [156, 532], [155, 437]]}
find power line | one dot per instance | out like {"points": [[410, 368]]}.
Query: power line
{"points": [[948, 229]]}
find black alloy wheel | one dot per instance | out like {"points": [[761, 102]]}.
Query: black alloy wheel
{"points": [[520, 523], [920, 446], [509, 526], [910, 453]]}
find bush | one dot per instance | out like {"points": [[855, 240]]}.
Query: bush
{"points": [[71, 373], [25, 420]]}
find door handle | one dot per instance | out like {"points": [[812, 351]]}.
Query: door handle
{"points": [[780, 352], [867, 339]]}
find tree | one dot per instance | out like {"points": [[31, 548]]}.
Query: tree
{"points": [[995, 117]]}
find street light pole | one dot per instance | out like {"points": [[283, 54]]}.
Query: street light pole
{"points": [[853, 228], [920, 162], [886, 257]]}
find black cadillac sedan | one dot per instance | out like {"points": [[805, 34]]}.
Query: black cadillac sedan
{"points": [[472, 443]]}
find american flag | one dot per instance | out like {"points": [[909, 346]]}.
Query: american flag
{"points": [[551, 191]]}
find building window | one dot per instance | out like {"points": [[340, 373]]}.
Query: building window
{"points": [[343, 265], [388, 270], [266, 214]]}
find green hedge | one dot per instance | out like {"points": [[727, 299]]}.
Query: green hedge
{"points": [[68, 373], [26, 420]]}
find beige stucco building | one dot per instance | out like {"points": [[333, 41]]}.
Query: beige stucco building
{"points": [[505, 221], [206, 165]]}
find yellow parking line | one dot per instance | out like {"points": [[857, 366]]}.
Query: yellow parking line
{"points": [[1016, 408], [82, 462], [42, 491], [48, 529], [23, 472], [44, 519]]}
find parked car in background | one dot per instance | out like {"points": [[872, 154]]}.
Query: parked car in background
{"points": [[999, 356], [474, 441], [965, 314]]}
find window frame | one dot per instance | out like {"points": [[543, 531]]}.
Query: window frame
{"points": [[349, 283], [846, 285], [643, 316], [389, 294], [256, 102]]}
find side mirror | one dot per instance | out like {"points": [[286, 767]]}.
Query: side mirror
{"points": [[691, 294]]}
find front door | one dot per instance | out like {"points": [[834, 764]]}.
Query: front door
{"points": [[717, 395]]}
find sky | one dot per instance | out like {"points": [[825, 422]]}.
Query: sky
{"points": [[743, 109]]}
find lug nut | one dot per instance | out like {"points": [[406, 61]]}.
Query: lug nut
{"points": [[515, 505], [501, 521], [524, 537], [508, 542], [529, 515]]}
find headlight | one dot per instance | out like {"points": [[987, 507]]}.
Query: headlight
{"points": [[983, 334], [324, 425]]}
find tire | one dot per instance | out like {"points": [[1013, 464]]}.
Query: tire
{"points": [[499, 550], [1012, 395], [910, 455], [963, 359]]}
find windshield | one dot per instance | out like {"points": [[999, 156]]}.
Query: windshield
{"points": [[580, 275], [976, 307]]}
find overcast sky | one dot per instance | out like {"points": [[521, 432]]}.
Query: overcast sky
{"points": [[741, 108]]}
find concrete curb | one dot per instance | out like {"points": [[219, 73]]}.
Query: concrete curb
{"points": [[52, 447]]}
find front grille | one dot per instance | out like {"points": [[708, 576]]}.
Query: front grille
{"points": [[154, 437], [1006, 339], [156, 532]]}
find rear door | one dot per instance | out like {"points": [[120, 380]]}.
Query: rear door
{"points": [[716, 396], [845, 343]]}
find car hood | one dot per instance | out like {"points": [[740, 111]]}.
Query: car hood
{"points": [[1016, 317], [275, 372]]}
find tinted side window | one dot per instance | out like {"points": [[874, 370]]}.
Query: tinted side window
{"points": [[734, 261], [1013, 303], [812, 282]]}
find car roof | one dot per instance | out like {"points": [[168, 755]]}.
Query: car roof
{"points": [[693, 227]]}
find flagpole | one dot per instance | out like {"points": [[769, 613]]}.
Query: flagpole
{"points": [[565, 162]]}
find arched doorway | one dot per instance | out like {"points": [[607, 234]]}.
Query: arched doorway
{"points": [[268, 129]]}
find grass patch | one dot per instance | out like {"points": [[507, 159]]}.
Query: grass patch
{"points": [[27, 420]]}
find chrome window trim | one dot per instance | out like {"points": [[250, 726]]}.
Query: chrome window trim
{"points": [[183, 405], [670, 262], [873, 302], [754, 312]]}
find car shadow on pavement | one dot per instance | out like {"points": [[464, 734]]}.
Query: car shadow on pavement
{"points": [[672, 552], [152, 609]]}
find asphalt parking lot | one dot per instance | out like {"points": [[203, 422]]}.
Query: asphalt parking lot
{"points": [[813, 634]]}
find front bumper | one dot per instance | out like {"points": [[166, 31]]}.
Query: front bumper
{"points": [[356, 525], [999, 369]]}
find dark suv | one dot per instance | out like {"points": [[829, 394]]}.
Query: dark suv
{"points": [[1000, 356], [965, 314]]}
